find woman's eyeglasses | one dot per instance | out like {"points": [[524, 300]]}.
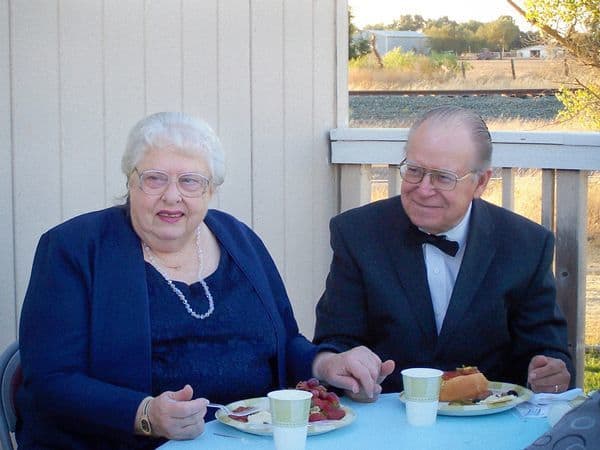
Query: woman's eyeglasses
{"points": [[156, 182]]}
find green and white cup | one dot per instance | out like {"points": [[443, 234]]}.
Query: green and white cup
{"points": [[421, 395], [289, 416]]}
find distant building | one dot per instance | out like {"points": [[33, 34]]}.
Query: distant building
{"points": [[540, 52], [386, 40]]}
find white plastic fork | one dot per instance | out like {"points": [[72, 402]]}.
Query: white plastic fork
{"points": [[226, 410]]}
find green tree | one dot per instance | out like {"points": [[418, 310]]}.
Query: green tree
{"points": [[376, 26], [407, 22], [528, 38], [472, 25], [446, 35], [501, 34], [357, 45], [474, 42], [575, 26]]}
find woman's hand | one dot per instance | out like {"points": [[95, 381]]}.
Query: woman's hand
{"points": [[358, 371], [174, 415]]}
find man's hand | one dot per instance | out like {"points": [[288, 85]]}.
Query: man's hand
{"points": [[547, 374], [358, 371], [175, 415]]}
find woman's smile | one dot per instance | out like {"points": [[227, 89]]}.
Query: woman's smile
{"points": [[170, 216]]}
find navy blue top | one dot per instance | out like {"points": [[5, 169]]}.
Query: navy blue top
{"points": [[211, 354], [86, 337]]}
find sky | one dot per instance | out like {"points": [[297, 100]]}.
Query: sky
{"points": [[385, 11]]}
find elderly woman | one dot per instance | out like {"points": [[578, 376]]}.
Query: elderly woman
{"points": [[136, 315]]}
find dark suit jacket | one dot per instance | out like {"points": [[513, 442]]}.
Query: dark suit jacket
{"points": [[85, 329], [502, 311]]}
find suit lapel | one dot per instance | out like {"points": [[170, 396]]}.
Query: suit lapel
{"points": [[478, 255], [409, 263]]}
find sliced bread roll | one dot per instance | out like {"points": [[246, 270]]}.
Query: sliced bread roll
{"points": [[463, 384]]}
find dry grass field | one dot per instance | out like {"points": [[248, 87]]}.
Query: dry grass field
{"points": [[479, 74]]}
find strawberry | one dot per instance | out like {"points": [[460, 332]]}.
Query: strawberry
{"points": [[314, 417], [312, 383], [320, 403], [324, 404], [335, 413], [333, 398]]}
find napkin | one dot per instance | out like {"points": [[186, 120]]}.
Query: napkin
{"points": [[546, 405]]}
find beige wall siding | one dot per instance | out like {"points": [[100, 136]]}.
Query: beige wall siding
{"points": [[8, 306], [76, 75]]}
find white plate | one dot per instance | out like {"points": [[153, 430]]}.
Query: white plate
{"points": [[480, 409], [266, 429]]}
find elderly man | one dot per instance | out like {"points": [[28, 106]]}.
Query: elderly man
{"points": [[437, 277]]}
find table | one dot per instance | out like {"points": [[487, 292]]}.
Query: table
{"points": [[382, 425]]}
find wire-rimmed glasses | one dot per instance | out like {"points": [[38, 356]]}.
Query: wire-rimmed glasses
{"points": [[156, 182], [443, 180]]}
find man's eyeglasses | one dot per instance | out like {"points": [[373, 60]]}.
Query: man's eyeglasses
{"points": [[442, 180], [156, 182]]}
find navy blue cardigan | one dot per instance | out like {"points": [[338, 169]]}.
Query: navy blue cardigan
{"points": [[85, 328]]}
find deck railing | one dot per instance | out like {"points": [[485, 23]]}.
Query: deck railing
{"points": [[565, 159]]}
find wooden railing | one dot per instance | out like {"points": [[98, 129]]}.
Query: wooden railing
{"points": [[565, 159]]}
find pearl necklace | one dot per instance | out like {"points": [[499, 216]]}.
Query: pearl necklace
{"points": [[188, 308]]}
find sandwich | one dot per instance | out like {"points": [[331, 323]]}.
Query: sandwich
{"points": [[464, 384]]}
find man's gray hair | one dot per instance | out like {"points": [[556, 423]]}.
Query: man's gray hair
{"points": [[461, 117], [167, 131]]}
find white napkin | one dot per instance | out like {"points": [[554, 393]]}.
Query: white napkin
{"points": [[544, 404]]}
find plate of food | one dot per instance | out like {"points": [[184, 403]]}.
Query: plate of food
{"points": [[466, 392], [326, 412]]}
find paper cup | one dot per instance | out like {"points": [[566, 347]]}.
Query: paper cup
{"points": [[289, 416], [421, 394]]}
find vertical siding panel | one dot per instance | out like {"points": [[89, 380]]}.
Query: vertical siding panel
{"points": [[36, 128], [235, 125], [200, 60], [324, 177], [298, 145], [8, 303], [81, 104], [267, 125], [341, 63], [163, 56], [124, 83], [200, 64]]}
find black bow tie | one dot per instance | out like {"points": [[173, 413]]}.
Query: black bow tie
{"points": [[445, 245]]}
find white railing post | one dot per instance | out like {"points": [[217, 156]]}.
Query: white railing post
{"points": [[394, 181], [571, 265], [508, 188], [548, 197], [355, 186]]}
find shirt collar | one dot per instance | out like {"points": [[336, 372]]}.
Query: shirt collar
{"points": [[459, 232]]}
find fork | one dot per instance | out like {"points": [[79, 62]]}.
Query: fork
{"points": [[226, 410]]}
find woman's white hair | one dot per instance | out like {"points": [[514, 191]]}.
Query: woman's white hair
{"points": [[167, 131]]}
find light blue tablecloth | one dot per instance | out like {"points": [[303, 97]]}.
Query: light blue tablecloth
{"points": [[382, 425]]}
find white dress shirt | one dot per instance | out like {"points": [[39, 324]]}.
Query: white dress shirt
{"points": [[442, 269]]}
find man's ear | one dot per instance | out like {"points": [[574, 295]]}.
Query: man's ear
{"points": [[482, 182]]}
